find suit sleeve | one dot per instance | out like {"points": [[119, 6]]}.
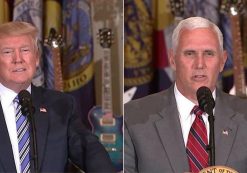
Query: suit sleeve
{"points": [[85, 151], [130, 160]]}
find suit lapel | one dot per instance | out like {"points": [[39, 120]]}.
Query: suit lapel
{"points": [[41, 121], [225, 130], [170, 133], [6, 156]]}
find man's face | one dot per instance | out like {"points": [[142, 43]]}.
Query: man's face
{"points": [[197, 61], [18, 61]]}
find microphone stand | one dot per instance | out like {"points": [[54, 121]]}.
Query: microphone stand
{"points": [[207, 103], [34, 141], [211, 146], [28, 109]]}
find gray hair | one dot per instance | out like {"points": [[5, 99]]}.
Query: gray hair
{"points": [[194, 23]]}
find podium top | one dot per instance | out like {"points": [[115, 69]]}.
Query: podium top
{"points": [[218, 169]]}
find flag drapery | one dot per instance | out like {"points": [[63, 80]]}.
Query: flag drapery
{"points": [[162, 19], [144, 16], [53, 20], [146, 59], [138, 70], [78, 54], [4, 11]]}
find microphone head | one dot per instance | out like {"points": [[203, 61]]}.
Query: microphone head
{"points": [[205, 99], [26, 102], [24, 96]]}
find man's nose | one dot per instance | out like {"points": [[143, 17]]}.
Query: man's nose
{"points": [[17, 57], [200, 61]]}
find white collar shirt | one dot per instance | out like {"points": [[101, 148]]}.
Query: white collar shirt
{"points": [[7, 96], [184, 107]]}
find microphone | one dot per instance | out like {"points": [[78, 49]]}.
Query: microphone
{"points": [[206, 104], [26, 103], [205, 99], [27, 109]]}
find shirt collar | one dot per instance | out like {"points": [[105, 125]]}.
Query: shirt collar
{"points": [[7, 95], [184, 105]]}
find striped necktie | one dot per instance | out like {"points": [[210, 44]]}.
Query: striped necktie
{"points": [[22, 126], [197, 143]]}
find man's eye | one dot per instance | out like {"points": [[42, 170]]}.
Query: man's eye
{"points": [[25, 49], [189, 53], [209, 53], [6, 52]]}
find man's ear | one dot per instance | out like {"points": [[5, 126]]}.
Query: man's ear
{"points": [[38, 56], [223, 60], [171, 56]]}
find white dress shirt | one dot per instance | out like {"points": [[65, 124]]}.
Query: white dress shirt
{"points": [[7, 97], [185, 106]]}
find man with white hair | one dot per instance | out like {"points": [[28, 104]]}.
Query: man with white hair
{"points": [[167, 131]]}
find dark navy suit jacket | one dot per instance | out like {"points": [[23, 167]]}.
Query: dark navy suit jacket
{"points": [[60, 136]]}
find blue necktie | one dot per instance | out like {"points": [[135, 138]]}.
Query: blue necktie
{"points": [[22, 126]]}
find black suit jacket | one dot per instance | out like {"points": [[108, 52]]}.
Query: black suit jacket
{"points": [[60, 136]]}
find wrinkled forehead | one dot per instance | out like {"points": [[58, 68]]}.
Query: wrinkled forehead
{"points": [[205, 36], [15, 39], [16, 42]]}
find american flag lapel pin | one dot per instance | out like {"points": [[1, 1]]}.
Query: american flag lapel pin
{"points": [[42, 110], [225, 132]]}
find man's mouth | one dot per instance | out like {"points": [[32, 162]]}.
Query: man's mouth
{"points": [[19, 70], [199, 77]]}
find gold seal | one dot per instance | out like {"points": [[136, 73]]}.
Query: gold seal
{"points": [[218, 169]]}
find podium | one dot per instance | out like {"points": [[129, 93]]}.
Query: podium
{"points": [[218, 169]]}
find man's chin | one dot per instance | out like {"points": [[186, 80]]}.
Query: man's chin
{"points": [[22, 84], [201, 85]]}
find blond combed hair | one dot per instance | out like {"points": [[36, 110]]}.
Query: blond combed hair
{"points": [[19, 28]]}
